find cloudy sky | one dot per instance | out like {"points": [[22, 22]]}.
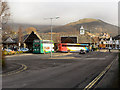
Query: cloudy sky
{"points": [[34, 12]]}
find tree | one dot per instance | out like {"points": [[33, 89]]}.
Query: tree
{"points": [[4, 12], [4, 16], [30, 29]]}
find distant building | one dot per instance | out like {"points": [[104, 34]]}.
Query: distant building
{"points": [[82, 31], [63, 37], [9, 43], [28, 41]]}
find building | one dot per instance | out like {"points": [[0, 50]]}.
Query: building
{"points": [[28, 41], [9, 43]]}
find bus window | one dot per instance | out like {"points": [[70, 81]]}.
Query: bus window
{"points": [[36, 45]]}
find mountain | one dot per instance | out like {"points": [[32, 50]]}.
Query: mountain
{"points": [[90, 25], [15, 26], [85, 20]]}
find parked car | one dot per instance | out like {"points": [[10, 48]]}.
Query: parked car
{"points": [[82, 51], [24, 49], [8, 50]]}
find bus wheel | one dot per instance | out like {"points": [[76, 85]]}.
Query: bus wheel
{"points": [[68, 51]]}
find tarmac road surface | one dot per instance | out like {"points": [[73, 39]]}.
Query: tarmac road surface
{"points": [[75, 72]]}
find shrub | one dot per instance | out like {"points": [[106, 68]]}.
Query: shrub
{"points": [[17, 52], [96, 49], [20, 51], [12, 52], [5, 53], [9, 53]]}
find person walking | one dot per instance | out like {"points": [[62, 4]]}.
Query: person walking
{"points": [[109, 49]]}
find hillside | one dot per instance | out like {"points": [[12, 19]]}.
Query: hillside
{"points": [[93, 25], [85, 20]]}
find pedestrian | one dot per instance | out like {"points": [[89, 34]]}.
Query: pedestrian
{"points": [[109, 49]]}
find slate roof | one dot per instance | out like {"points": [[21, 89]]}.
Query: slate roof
{"points": [[117, 37], [9, 40]]}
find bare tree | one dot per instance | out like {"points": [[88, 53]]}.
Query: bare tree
{"points": [[4, 16], [4, 12]]}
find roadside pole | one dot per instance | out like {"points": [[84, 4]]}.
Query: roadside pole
{"points": [[51, 32], [51, 37]]}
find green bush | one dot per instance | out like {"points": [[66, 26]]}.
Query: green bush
{"points": [[20, 51], [9, 53], [12, 52], [96, 49], [17, 52], [5, 53]]}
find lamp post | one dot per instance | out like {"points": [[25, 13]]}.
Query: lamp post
{"points": [[51, 32]]}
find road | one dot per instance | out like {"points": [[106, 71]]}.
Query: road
{"points": [[62, 71]]}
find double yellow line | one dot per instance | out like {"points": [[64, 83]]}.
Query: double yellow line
{"points": [[91, 84], [22, 68]]}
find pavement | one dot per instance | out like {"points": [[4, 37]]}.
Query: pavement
{"points": [[62, 71], [106, 50]]}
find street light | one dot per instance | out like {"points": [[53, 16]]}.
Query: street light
{"points": [[51, 32]]}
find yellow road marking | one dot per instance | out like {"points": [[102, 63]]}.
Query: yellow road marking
{"points": [[15, 72], [63, 58], [91, 84]]}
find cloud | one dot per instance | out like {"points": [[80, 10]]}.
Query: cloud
{"points": [[35, 12]]}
